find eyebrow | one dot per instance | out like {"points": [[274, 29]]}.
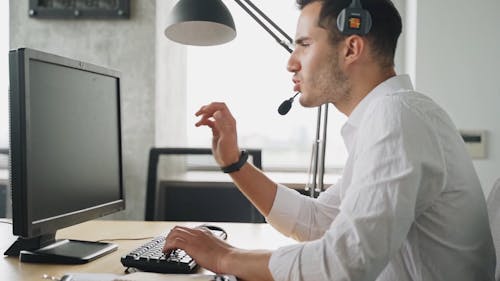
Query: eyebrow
{"points": [[301, 40]]}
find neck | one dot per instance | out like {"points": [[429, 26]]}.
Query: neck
{"points": [[360, 87]]}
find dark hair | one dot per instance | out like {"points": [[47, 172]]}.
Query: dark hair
{"points": [[385, 30]]}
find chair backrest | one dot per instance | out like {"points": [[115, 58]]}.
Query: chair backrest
{"points": [[494, 216], [197, 201]]}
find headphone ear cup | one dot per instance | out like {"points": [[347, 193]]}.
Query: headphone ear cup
{"points": [[341, 21], [356, 21]]}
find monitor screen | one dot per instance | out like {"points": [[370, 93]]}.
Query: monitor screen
{"points": [[66, 164]]}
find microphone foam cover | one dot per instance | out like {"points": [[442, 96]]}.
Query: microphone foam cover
{"points": [[285, 107]]}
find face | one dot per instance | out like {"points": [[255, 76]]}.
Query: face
{"points": [[315, 62]]}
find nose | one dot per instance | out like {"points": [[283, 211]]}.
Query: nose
{"points": [[293, 63]]}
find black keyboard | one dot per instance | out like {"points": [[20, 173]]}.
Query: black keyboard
{"points": [[149, 256]]}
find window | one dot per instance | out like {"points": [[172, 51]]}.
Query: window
{"points": [[249, 74], [4, 73]]}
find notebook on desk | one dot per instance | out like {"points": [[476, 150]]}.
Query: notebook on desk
{"points": [[147, 276]]}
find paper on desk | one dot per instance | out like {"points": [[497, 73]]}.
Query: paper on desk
{"points": [[77, 276], [147, 276]]}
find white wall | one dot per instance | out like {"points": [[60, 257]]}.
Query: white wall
{"points": [[401, 50], [457, 60]]}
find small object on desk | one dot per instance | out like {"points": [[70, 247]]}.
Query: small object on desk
{"points": [[50, 277], [53, 278], [150, 256], [77, 276]]}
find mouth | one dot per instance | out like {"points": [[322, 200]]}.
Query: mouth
{"points": [[296, 88], [296, 83]]}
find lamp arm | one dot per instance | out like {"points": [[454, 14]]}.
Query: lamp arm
{"points": [[280, 41], [268, 20]]}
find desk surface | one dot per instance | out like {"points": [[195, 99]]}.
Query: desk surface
{"points": [[243, 235]]}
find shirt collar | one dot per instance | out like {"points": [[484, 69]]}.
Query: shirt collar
{"points": [[399, 83]]}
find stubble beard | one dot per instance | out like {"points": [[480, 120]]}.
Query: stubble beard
{"points": [[331, 83]]}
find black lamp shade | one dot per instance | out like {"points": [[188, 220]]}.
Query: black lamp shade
{"points": [[200, 23]]}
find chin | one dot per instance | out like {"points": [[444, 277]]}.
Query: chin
{"points": [[303, 100], [306, 102]]}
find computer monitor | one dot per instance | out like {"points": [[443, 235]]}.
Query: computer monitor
{"points": [[65, 153]]}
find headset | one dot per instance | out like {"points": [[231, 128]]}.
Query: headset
{"points": [[354, 20]]}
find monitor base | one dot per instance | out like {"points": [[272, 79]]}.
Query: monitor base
{"points": [[61, 251], [29, 244]]}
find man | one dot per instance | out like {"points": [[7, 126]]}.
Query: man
{"points": [[409, 205]]}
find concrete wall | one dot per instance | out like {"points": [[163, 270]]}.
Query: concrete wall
{"points": [[170, 84], [125, 45], [457, 59]]}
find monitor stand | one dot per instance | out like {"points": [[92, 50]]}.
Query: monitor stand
{"points": [[45, 249]]}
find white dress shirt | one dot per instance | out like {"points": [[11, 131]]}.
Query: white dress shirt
{"points": [[409, 205]]}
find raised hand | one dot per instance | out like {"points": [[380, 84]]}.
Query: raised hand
{"points": [[217, 116]]}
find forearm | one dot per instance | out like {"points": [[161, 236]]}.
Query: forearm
{"points": [[256, 186], [248, 265]]}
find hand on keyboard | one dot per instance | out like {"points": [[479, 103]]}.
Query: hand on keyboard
{"points": [[200, 244], [150, 256]]}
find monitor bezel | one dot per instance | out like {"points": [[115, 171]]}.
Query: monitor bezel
{"points": [[22, 215]]}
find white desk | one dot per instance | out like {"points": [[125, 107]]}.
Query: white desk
{"points": [[243, 235]]}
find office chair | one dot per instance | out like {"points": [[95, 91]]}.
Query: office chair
{"points": [[196, 201], [493, 204]]}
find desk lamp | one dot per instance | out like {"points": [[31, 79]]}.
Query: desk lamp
{"points": [[208, 23]]}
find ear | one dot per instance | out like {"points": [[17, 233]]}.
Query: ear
{"points": [[354, 48]]}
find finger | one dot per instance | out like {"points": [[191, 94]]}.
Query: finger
{"points": [[223, 121], [209, 109], [179, 232], [185, 238], [174, 243], [207, 121], [217, 123], [207, 118], [177, 237], [202, 110]]}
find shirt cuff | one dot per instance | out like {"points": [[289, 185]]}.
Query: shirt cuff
{"points": [[285, 210]]}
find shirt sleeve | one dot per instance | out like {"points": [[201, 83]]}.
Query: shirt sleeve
{"points": [[302, 217], [377, 210]]}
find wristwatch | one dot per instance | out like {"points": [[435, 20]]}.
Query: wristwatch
{"points": [[236, 166]]}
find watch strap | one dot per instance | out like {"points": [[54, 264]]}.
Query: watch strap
{"points": [[236, 166]]}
